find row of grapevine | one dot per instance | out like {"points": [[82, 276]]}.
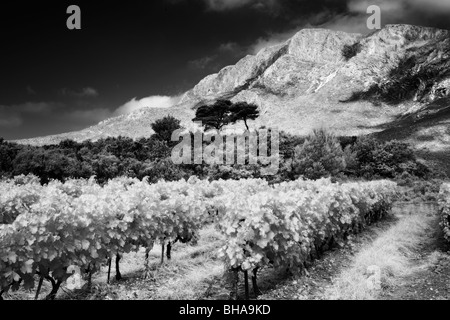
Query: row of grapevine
{"points": [[284, 224], [46, 229], [16, 196], [444, 205], [80, 223]]}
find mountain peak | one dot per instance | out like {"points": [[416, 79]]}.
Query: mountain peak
{"points": [[308, 82]]}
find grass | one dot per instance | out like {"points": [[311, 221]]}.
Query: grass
{"points": [[196, 273], [192, 271], [391, 251]]}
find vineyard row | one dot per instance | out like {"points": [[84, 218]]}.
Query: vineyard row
{"points": [[45, 230]]}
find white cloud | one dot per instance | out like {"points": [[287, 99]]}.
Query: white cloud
{"points": [[9, 121], [35, 107], [43, 118], [84, 116], [406, 6], [348, 23], [222, 5], [271, 40], [20, 114], [232, 49], [11, 116], [433, 13], [30, 90], [203, 63], [83, 93], [229, 47], [89, 92], [224, 52], [148, 102], [51, 113]]}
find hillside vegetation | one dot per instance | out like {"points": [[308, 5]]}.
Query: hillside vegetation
{"points": [[352, 84]]}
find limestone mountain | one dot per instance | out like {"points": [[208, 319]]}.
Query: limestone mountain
{"points": [[394, 82]]}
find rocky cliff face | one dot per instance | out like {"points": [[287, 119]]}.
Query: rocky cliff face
{"points": [[312, 61], [299, 66], [306, 83]]}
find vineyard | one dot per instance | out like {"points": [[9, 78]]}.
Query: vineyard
{"points": [[445, 209], [47, 231]]}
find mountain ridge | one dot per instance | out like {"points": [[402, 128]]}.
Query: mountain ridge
{"points": [[306, 83]]}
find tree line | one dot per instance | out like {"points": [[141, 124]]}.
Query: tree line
{"points": [[321, 154]]}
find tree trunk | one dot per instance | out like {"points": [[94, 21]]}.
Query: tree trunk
{"points": [[255, 283], [109, 269], [245, 121], [118, 274], [169, 250], [247, 296], [146, 266], [236, 284], [55, 288], [41, 279], [162, 253]]}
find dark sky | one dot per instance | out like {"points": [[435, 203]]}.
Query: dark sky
{"points": [[55, 80]]}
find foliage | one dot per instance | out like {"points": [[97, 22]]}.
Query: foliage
{"points": [[82, 224], [105, 158], [415, 189], [284, 224], [214, 116], [47, 164], [224, 112], [233, 172], [444, 205], [243, 111], [350, 51], [346, 141], [165, 127], [389, 159], [49, 229], [320, 156]]}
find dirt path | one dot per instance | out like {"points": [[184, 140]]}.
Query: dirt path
{"points": [[429, 278], [408, 250], [323, 276], [193, 273]]}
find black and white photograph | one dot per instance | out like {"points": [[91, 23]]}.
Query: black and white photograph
{"points": [[223, 156]]}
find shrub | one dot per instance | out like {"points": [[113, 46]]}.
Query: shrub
{"points": [[349, 51], [162, 170], [236, 172], [346, 141], [320, 156], [165, 127], [386, 159]]}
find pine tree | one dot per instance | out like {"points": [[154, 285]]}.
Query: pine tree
{"points": [[224, 112], [214, 116], [244, 111]]}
